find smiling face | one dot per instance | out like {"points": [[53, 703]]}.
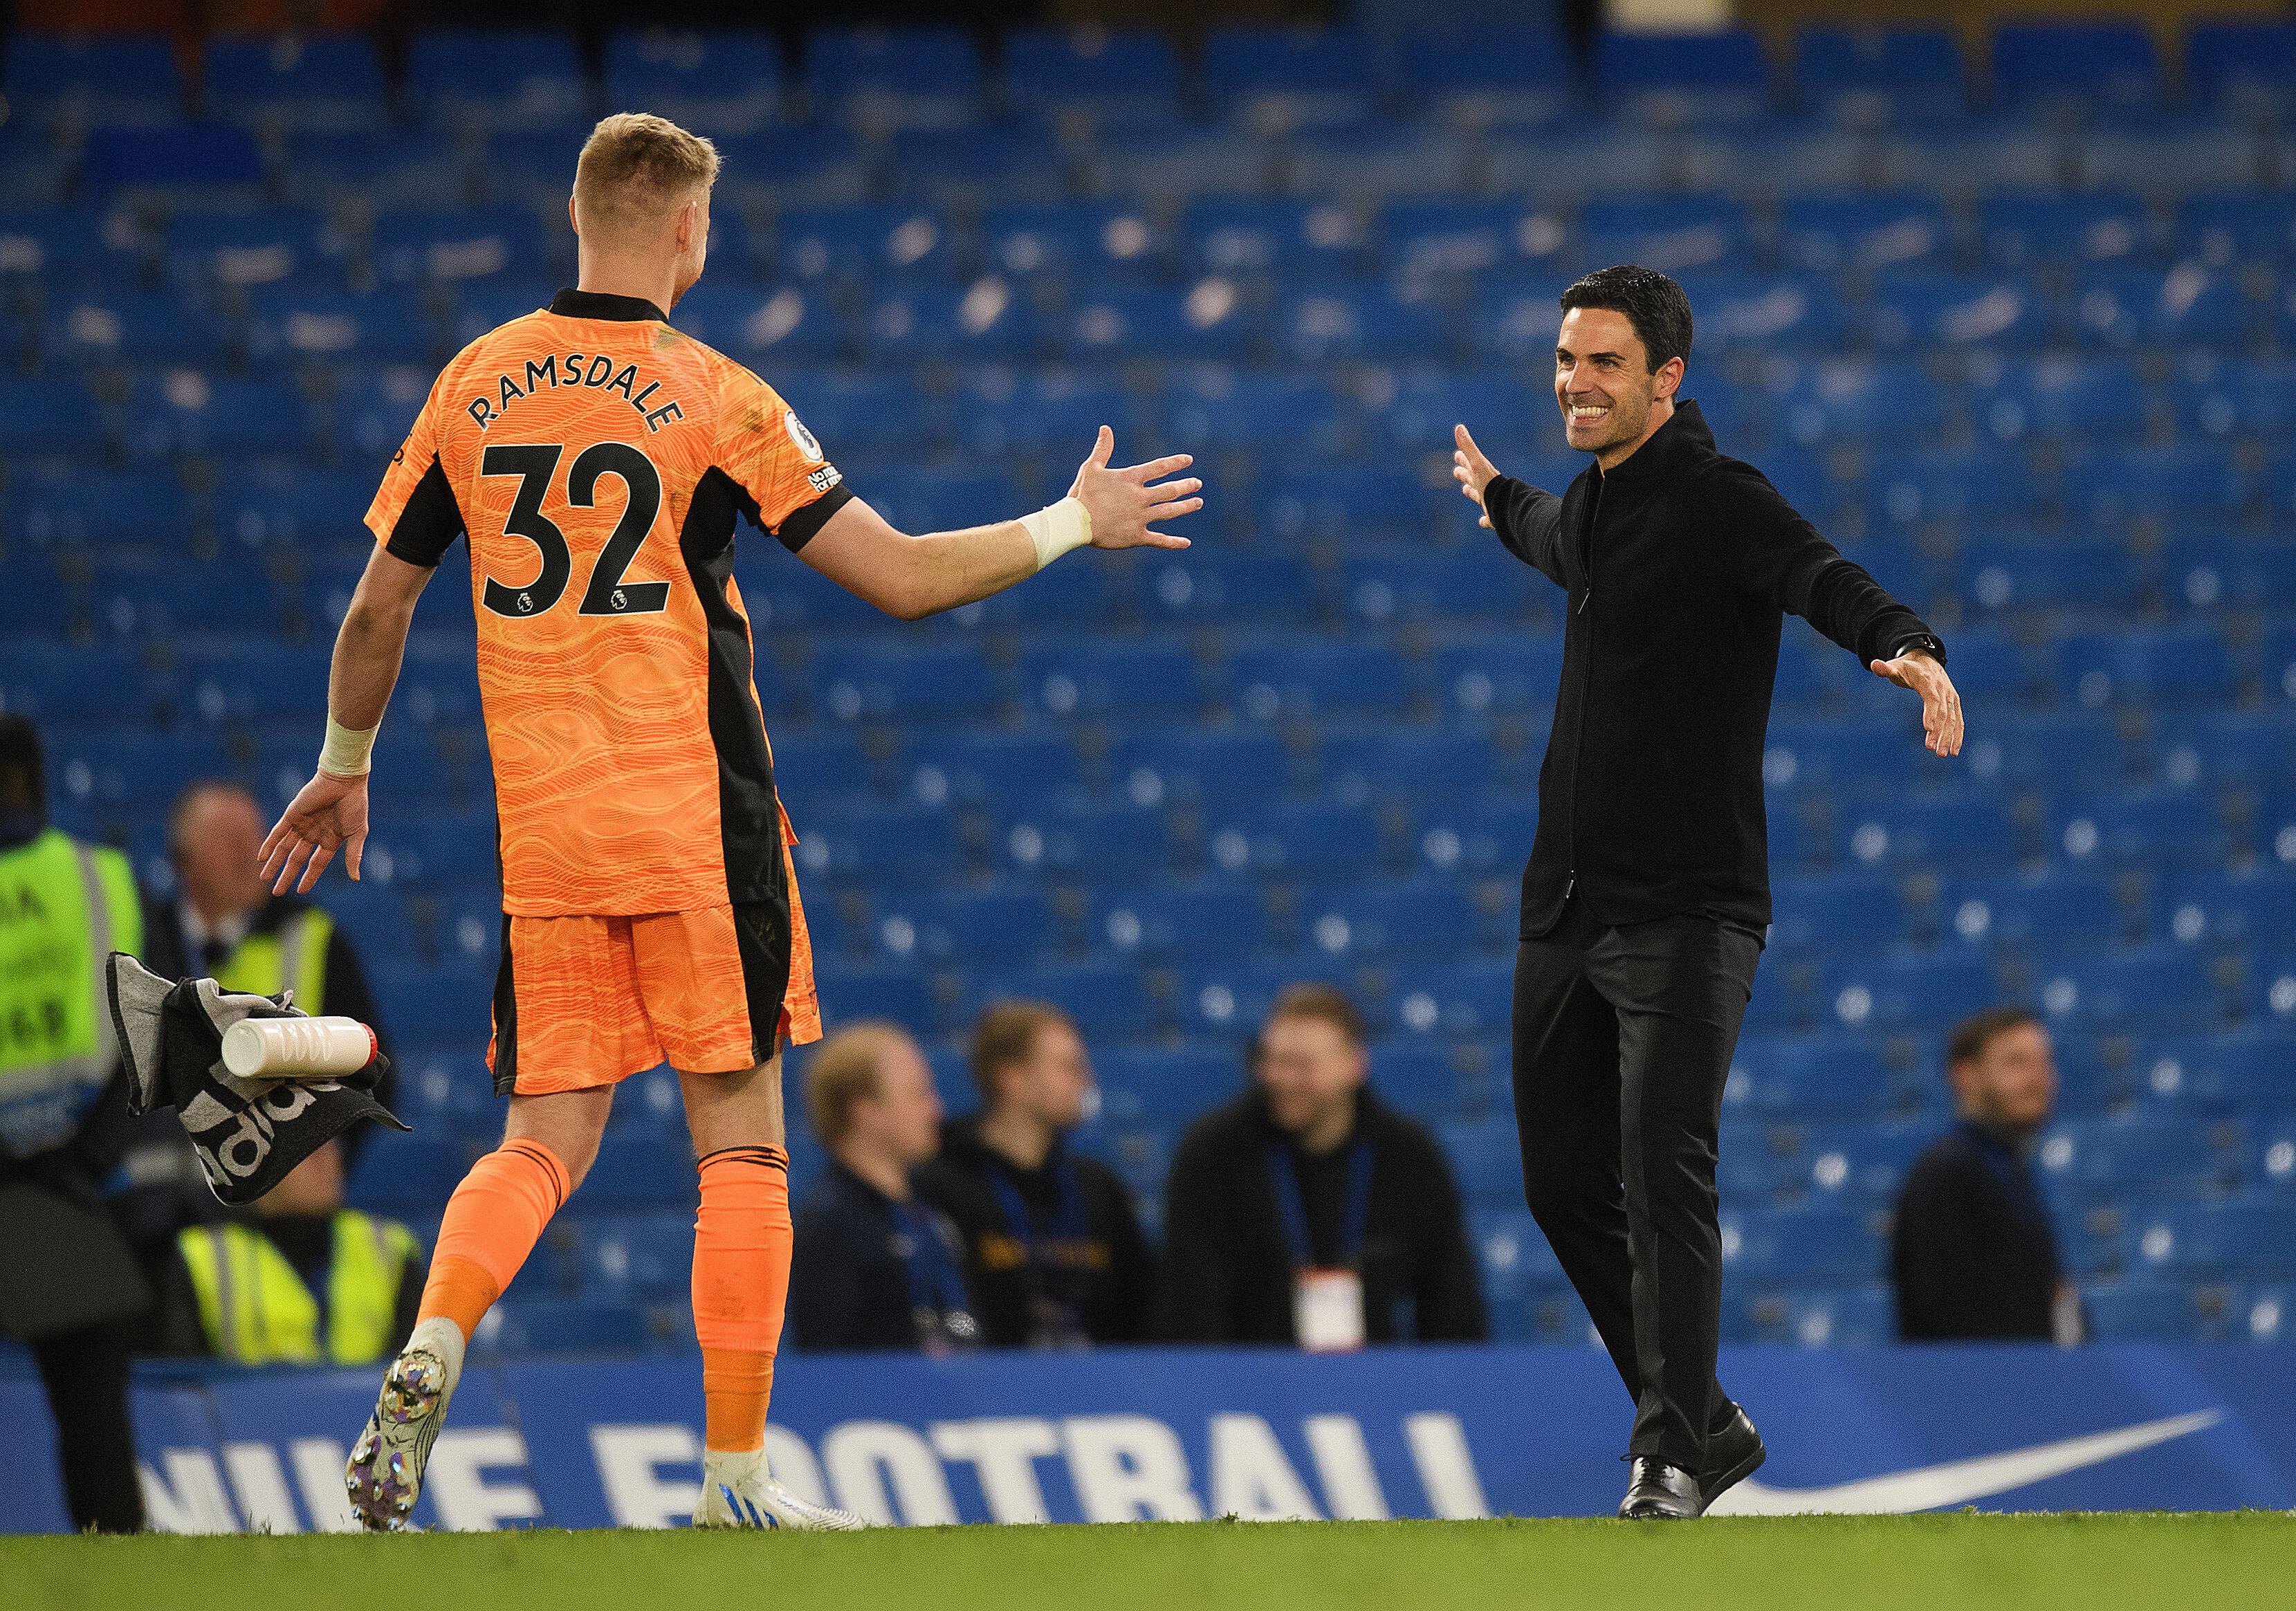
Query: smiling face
{"points": [[1610, 398]]}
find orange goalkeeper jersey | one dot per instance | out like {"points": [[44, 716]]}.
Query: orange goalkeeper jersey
{"points": [[597, 460]]}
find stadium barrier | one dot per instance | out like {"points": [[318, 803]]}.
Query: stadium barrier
{"points": [[1151, 1434]]}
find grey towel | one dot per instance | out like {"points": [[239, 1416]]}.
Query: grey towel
{"points": [[247, 1133]]}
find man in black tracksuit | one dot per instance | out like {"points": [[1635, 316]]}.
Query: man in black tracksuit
{"points": [[1646, 898]]}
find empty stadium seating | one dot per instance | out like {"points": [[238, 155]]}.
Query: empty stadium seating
{"points": [[2053, 415]]}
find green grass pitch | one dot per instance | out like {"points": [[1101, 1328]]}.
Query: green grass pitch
{"points": [[2237, 1561]]}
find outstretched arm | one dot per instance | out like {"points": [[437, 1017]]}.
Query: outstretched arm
{"points": [[1527, 519], [329, 813], [914, 577]]}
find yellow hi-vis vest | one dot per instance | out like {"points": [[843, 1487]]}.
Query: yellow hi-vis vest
{"points": [[293, 957], [255, 1309], [65, 906]]}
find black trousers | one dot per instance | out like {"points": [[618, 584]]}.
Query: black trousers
{"points": [[86, 1375], [1622, 1041]]}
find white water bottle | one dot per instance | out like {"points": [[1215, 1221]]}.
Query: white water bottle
{"points": [[297, 1049]]}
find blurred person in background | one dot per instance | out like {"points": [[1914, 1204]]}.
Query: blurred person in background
{"points": [[1974, 1253], [224, 924], [876, 1266], [70, 1286], [1310, 1211], [1054, 1253], [297, 1279]]}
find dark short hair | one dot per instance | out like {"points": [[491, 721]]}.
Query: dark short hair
{"points": [[1972, 1037], [1325, 1004], [1653, 304], [1007, 1034], [23, 771]]}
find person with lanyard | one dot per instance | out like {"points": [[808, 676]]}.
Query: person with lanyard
{"points": [[876, 1267], [1974, 1249], [1308, 1211], [300, 1280], [1054, 1252], [70, 1286]]}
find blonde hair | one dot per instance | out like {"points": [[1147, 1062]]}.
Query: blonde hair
{"points": [[635, 166], [844, 1071]]}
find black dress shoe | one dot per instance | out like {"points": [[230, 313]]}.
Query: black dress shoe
{"points": [[1733, 1453], [1658, 1492]]}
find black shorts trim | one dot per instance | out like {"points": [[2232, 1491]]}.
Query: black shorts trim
{"points": [[505, 1020], [763, 936]]}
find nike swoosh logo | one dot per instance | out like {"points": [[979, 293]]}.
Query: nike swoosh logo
{"points": [[1958, 1481]]}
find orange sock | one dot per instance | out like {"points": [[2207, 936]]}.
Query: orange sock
{"points": [[493, 1220], [741, 1245]]}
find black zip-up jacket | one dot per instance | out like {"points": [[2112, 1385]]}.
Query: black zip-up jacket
{"points": [[1680, 566]]}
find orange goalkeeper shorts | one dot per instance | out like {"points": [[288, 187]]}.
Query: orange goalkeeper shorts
{"points": [[584, 1002]]}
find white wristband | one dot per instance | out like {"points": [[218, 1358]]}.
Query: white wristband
{"points": [[345, 753], [1056, 528]]}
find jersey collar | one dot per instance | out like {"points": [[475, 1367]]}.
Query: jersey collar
{"points": [[605, 305]]}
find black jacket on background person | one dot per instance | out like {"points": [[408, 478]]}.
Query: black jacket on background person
{"points": [[1649, 802], [1974, 1253], [1106, 1276], [1228, 1275], [858, 1282]]}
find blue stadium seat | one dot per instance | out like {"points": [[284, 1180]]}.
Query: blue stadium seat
{"points": [[1816, 915], [1209, 319], [1800, 1243], [986, 319], [1300, 679], [2119, 305], [1093, 678], [2166, 986], [452, 245], [1361, 502], [2256, 905], [1295, 72], [1903, 990], [2241, 59], [83, 246], [1168, 921], [1486, 1156], [946, 682], [1415, 766], [1672, 234], [2160, 827], [1357, 322], [1099, 72], [1179, 1084], [551, 1326], [1211, 408], [637, 1257], [1299, 841], [2253, 1235], [382, 165], [1911, 68], [1227, 1002], [2248, 1071], [1076, 842], [1458, 239], [1195, 587], [1501, 674], [2238, 395], [990, 767], [94, 77], [103, 325], [1079, 242], [1195, 767], [1958, 485], [2022, 229], [1865, 230], [764, 324], [1420, 920], [1282, 240], [966, 169], [2143, 1310], [293, 323], [500, 77], [2042, 914], [1492, 835], [864, 242], [2110, 62], [1717, 73], [2243, 746], [900, 994], [1458, 1001], [2223, 227], [964, 927], [2059, 396], [2165, 665], [2054, 573], [1940, 308], [1381, 585], [403, 1173], [1801, 1075], [901, 76], [1828, 400], [295, 81], [1765, 312], [895, 844], [716, 82], [1041, 410], [1109, 1001]]}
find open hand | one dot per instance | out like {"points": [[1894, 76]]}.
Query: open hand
{"points": [[1921, 671], [328, 814], [1124, 507], [1472, 470]]}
